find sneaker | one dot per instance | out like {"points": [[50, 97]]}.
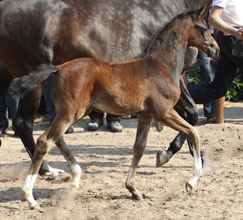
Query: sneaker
{"points": [[211, 120], [95, 123], [114, 126], [70, 130]]}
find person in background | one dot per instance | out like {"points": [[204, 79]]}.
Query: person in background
{"points": [[227, 18], [6, 103], [207, 74], [49, 104]]}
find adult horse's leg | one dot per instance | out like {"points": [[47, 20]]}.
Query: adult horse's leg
{"points": [[187, 109], [138, 149], [27, 109]]}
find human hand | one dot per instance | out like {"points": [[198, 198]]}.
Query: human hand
{"points": [[239, 34]]}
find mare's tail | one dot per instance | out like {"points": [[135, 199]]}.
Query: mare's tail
{"points": [[21, 85]]}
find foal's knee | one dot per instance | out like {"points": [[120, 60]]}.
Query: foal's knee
{"points": [[190, 114]]}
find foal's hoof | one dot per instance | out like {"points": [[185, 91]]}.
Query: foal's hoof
{"points": [[189, 187], [137, 196], [161, 158]]}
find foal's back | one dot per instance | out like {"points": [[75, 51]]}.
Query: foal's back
{"points": [[122, 88]]}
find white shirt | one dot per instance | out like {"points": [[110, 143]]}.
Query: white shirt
{"points": [[233, 11]]}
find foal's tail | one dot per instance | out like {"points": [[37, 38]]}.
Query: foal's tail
{"points": [[21, 85]]}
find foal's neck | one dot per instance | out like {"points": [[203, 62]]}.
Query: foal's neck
{"points": [[170, 44]]}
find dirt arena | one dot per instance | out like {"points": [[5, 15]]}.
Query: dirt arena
{"points": [[105, 158]]}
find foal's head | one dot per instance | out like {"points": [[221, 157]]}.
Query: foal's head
{"points": [[199, 35]]}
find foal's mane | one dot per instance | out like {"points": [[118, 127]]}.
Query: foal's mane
{"points": [[164, 28]]}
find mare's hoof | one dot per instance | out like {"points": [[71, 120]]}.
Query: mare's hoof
{"points": [[161, 158], [189, 187], [54, 172], [36, 207]]}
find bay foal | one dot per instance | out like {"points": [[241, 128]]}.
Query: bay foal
{"points": [[147, 86]]}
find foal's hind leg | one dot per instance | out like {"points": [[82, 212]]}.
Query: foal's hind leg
{"points": [[44, 142], [138, 149], [72, 163], [175, 121]]}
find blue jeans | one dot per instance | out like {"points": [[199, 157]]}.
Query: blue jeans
{"points": [[207, 75], [5, 102], [226, 70], [48, 99]]}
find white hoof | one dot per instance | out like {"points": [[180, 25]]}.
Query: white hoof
{"points": [[54, 172]]}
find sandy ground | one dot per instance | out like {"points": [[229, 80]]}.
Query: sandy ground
{"points": [[105, 158]]}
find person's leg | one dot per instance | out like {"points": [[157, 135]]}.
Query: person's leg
{"points": [[226, 69], [96, 120], [207, 75], [50, 105], [3, 114], [113, 123], [209, 111], [48, 99], [13, 105]]}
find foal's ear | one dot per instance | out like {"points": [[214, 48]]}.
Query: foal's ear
{"points": [[205, 9]]}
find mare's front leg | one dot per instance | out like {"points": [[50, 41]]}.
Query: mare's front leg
{"points": [[138, 149], [187, 109], [24, 121]]}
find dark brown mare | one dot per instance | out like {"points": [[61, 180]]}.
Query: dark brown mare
{"points": [[148, 86], [36, 32]]}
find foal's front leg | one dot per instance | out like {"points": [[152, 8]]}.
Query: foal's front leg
{"points": [[187, 109], [138, 149], [175, 121]]}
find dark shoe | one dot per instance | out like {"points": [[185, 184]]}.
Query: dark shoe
{"points": [[70, 130], [3, 132], [211, 120], [95, 123], [114, 126]]}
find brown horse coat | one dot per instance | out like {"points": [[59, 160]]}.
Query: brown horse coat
{"points": [[148, 86]]}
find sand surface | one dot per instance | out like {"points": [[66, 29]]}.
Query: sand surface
{"points": [[105, 159]]}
